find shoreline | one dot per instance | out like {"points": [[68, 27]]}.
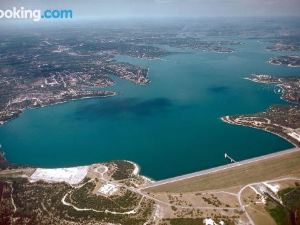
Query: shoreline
{"points": [[220, 168], [278, 84], [153, 183], [137, 170], [279, 64], [225, 120], [17, 115]]}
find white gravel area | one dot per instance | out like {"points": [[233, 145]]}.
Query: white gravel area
{"points": [[108, 189], [72, 175]]}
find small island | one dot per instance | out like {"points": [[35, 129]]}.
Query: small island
{"points": [[290, 61], [280, 46]]}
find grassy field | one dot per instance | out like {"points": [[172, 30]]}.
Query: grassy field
{"points": [[266, 169]]}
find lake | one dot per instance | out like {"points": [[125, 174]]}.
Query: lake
{"points": [[169, 127]]}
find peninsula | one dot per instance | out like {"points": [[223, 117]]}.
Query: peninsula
{"points": [[282, 120], [56, 72]]}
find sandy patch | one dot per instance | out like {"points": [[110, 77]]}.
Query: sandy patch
{"points": [[294, 135], [72, 175], [108, 189], [209, 221], [274, 188]]}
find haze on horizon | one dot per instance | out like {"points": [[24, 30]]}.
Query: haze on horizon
{"points": [[165, 8]]}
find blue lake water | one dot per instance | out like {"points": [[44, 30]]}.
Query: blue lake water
{"points": [[170, 127]]}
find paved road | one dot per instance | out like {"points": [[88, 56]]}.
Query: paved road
{"points": [[220, 168]]}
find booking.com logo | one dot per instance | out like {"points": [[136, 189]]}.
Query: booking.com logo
{"points": [[36, 14]]}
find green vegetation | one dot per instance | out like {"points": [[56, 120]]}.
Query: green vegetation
{"points": [[291, 197], [84, 198], [186, 221], [174, 208], [278, 212], [35, 202], [282, 117], [289, 212], [124, 170], [40, 203], [212, 200]]}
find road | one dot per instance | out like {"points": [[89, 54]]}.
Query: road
{"points": [[249, 185]]}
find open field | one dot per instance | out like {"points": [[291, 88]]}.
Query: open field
{"points": [[258, 169]]}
